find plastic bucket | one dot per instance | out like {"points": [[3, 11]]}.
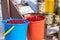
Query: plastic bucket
{"points": [[36, 28], [18, 33]]}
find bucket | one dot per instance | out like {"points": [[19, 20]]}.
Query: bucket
{"points": [[36, 27], [18, 32]]}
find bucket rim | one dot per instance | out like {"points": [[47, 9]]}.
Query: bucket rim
{"points": [[26, 22], [39, 20]]}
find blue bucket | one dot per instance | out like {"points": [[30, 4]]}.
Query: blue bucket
{"points": [[5, 20], [18, 33]]}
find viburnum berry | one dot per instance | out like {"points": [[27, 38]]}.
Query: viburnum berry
{"points": [[15, 21], [35, 18]]}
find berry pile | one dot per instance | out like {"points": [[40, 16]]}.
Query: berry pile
{"points": [[35, 18], [15, 22]]}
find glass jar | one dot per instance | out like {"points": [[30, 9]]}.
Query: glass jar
{"points": [[57, 19], [58, 3], [59, 7], [56, 7], [41, 7], [49, 18]]}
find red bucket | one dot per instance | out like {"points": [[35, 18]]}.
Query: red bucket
{"points": [[36, 27]]}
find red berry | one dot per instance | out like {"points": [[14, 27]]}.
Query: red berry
{"points": [[35, 18], [16, 22]]}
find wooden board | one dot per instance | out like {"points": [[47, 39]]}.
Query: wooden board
{"points": [[5, 9], [9, 9], [14, 12]]}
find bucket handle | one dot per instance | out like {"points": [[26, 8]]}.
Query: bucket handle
{"points": [[7, 32]]}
